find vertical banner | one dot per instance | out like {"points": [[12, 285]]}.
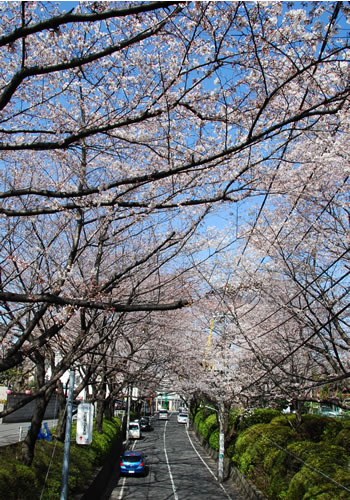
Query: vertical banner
{"points": [[84, 423]]}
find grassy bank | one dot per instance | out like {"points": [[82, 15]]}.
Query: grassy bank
{"points": [[42, 480], [284, 458]]}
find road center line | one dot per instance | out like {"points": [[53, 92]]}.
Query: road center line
{"points": [[204, 462], [167, 461]]}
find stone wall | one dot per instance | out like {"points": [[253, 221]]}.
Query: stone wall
{"points": [[25, 413]]}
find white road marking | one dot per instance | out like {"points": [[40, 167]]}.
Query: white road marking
{"points": [[169, 468], [209, 469]]}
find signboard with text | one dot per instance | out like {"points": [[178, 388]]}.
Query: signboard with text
{"points": [[84, 423]]}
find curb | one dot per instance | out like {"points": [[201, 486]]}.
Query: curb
{"points": [[234, 479]]}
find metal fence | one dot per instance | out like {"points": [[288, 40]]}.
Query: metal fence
{"points": [[15, 432]]}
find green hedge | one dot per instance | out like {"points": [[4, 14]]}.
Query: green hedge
{"points": [[15, 477], [258, 416], [262, 461], [200, 415], [280, 455], [308, 483], [281, 460], [207, 426], [214, 440]]}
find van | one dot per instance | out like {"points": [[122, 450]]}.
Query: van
{"points": [[163, 415], [134, 430]]}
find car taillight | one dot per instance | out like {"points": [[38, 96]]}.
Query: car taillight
{"points": [[121, 463], [142, 464]]}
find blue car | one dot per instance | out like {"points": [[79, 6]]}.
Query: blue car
{"points": [[132, 462]]}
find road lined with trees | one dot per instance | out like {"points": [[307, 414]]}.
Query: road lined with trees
{"points": [[127, 132], [175, 468]]}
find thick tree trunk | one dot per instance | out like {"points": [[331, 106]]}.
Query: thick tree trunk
{"points": [[61, 423], [28, 445], [99, 416], [299, 407], [100, 406], [109, 408]]}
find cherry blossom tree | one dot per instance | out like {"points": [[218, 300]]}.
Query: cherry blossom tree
{"points": [[156, 129], [286, 313], [125, 125], [308, 255], [110, 351]]}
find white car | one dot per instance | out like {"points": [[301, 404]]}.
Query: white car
{"points": [[163, 415], [134, 430], [182, 418]]}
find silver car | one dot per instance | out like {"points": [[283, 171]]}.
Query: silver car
{"points": [[182, 418]]}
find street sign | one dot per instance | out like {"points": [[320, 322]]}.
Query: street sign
{"points": [[84, 423]]}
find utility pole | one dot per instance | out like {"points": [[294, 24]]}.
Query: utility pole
{"points": [[222, 410], [221, 441], [128, 413], [66, 456]]}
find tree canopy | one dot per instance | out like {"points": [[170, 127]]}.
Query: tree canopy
{"points": [[124, 128]]}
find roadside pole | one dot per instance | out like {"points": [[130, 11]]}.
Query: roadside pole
{"points": [[221, 442], [128, 414], [66, 456]]}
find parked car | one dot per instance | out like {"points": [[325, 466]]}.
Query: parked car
{"points": [[145, 424], [182, 418], [133, 462], [134, 430], [163, 415]]}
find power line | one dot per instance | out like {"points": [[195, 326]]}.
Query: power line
{"points": [[339, 485], [298, 347]]}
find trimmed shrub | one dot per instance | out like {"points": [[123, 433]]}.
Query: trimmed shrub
{"points": [[257, 455], [20, 477], [200, 415], [343, 439], [258, 416], [214, 440], [208, 425], [233, 415], [309, 484], [15, 477], [313, 426], [101, 443], [331, 431], [282, 456], [285, 419], [230, 450], [302, 450]]}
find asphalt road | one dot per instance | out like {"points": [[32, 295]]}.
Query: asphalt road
{"points": [[177, 469]]}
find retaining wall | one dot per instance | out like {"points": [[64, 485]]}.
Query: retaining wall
{"points": [[96, 488], [25, 413], [230, 471]]}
